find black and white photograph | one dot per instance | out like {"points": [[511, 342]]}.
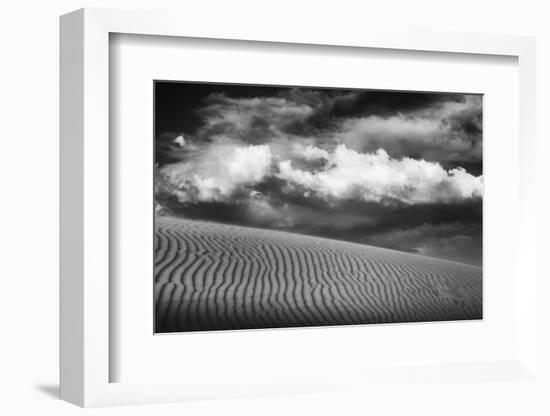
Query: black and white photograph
{"points": [[300, 206]]}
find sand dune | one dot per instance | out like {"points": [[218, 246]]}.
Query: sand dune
{"points": [[211, 276]]}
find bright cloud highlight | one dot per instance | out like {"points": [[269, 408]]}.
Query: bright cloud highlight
{"points": [[375, 177], [219, 172]]}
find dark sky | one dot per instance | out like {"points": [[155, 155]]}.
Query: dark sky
{"points": [[393, 169]]}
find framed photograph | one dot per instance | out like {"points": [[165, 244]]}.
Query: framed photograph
{"points": [[280, 206], [263, 212]]}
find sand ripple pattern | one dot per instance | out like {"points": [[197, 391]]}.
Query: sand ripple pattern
{"points": [[211, 277]]}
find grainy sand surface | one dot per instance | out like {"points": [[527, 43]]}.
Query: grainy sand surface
{"points": [[212, 276]]}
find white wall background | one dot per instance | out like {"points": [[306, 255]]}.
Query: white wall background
{"points": [[29, 209]]}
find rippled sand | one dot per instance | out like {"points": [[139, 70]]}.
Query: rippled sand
{"points": [[212, 276]]}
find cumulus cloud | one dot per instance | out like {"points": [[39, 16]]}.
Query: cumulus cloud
{"points": [[217, 173], [447, 132], [310, 152], [224, 169], [375, 177], [399, 157]]}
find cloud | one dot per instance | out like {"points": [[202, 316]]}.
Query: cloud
{"points": [[218, 172], [447, 132], [250, 119], [384, 158], [310, 152], [375, 177], [225, 169], [180, 140]]}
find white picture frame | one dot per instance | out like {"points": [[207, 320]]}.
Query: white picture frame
{"points": [[85, 229]]}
